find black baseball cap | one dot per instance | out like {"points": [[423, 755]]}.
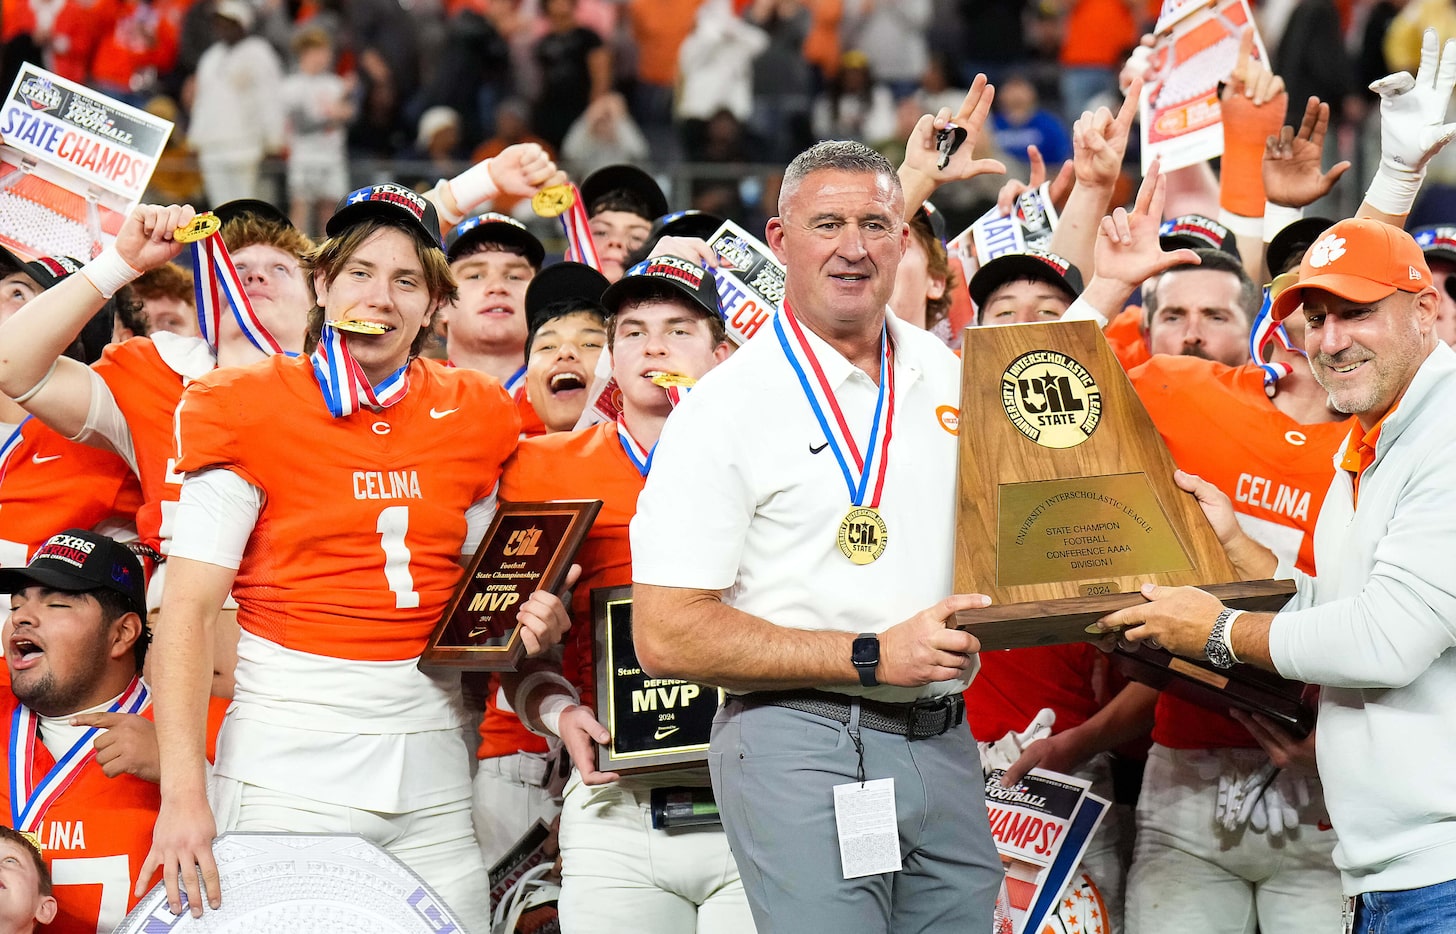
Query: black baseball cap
{"points": [[388, 202], [49, 270], [628, 178], [78, 561], [1196, 232], [696, 284], [494, 228], [257, 207], [10, 263], [1291, 242], [1437, 241], [562, 289], [1041, 265], [930, 216]]}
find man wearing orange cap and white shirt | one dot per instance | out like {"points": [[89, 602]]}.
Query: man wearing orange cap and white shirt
{"points": [[1377, 627]]}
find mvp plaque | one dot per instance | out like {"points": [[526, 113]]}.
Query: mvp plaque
{"points": [[656, 723], [1067, 504], [528, 547]]}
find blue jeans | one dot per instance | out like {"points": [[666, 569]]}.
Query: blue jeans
{"points": [[1430, 909]]}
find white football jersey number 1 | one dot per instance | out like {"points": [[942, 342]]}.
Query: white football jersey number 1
{"points": [[392, 526]]}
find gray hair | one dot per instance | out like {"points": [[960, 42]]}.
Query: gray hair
{"points": [[843, 155], [1251, 297]]}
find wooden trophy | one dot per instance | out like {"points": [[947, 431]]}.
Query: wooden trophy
{"points": [[1067, 504]]}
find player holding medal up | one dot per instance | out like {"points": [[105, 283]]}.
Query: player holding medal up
{"points": [[829, 440], [333, 494]]}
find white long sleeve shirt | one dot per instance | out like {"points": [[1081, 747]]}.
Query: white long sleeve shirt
{"points": [[1377, 628]]}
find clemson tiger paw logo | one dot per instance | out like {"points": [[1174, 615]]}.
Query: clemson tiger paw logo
{"points": [[1326, 251]]}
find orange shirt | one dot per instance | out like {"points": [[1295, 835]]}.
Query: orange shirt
{"points": [[49, 484], [1125, 335], [356, 551], [1360, 452], [1013, 684], [145, 35], [1219, 423], [147, 391], [80, 28], [96, 834], [531, 424], [659, 28], [1098, 34], [585, 464]]}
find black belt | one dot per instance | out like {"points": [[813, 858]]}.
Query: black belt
{"points": [[919, 720]]}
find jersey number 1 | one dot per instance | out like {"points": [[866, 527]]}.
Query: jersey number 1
{"points": [[392, 526]]}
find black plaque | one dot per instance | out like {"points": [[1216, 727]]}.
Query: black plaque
{"points": [[528, 547], [1242, 687], [656, 723]]}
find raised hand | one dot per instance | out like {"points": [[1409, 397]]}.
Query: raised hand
{"points": [[1413, 110], [923, 158], [1099, 141], [146, 239], [1292, 175], [524, 169], [1127, 249]]}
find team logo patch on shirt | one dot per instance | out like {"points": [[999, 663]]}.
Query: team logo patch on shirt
{"points": [[1051, 398], [949, 418]]}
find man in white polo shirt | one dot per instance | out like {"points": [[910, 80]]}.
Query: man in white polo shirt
{"points": [[810, 482]]}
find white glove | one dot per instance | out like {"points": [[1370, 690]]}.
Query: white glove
{"points": [[1412, 131], [1007, 749]]}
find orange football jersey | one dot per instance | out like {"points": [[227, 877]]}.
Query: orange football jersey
{"points": [[94, 838], [1219, 423], [1013, 684], [49, 484], [585, 464], [1125, 335], [531, 424], [356, 550], [147, 390], [96, 835]]}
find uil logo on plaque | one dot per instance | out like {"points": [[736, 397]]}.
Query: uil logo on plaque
{"points": [[1067, 503], [1051, 398]]}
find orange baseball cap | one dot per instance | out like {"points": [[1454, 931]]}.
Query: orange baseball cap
{"points": [[1360, 261]]}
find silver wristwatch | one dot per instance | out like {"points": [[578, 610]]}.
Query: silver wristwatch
{"points": [[1219, 647]]}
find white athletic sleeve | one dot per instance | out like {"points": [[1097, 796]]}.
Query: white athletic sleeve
{"points": [[106, 426], [215, 517], [1082, 310], [477, 520]]}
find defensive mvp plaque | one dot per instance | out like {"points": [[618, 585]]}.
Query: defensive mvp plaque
{"points": [[528, 547], [1067, 503], [656, 723]]}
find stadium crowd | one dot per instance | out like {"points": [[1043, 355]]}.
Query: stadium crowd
{"points": [[235, 503]]}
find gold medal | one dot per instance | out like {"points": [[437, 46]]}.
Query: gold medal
{"points": [[673, 379], [553, 202], [202, 227], [358, 327], [33, 839], [862, 535]]}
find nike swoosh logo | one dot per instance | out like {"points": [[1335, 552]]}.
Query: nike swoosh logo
{"points": [[663, 732], [436, 413], [814, 450], [37, 459], [477, 633]]}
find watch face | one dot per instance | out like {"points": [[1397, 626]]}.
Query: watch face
{"points": [[865, 652]]}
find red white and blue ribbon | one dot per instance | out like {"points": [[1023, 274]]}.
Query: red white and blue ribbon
{"points": [[825, 406], [1265, 329], [345, 387], [516, 383], [640, 457], [29, 803], [215, 281], [580, 248]]}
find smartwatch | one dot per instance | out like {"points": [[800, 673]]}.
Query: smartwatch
{"points": [[866, 658]]}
